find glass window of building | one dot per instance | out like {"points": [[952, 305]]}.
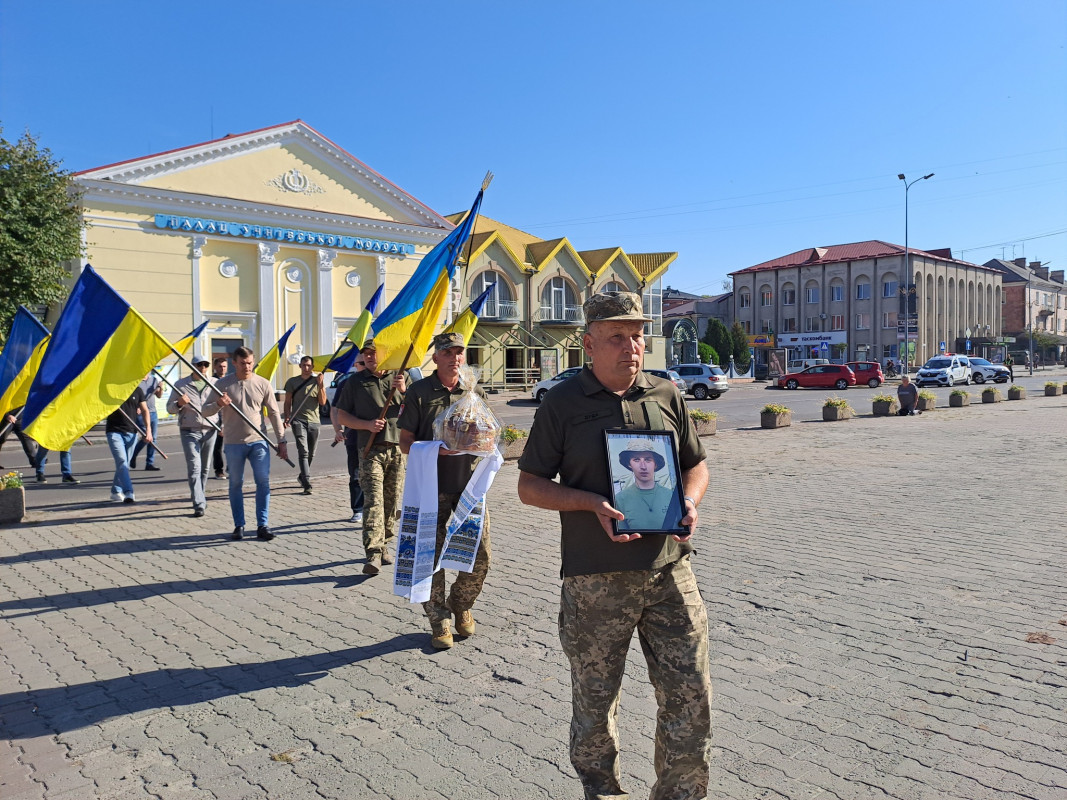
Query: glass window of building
{"points": [[863, 291], [837, 292], [766, 297], [499, 304], [652, 301], [863, 322], [811, 324], [789, 325], [889, 319], [889, 289], [765, 326], [811, 294], [745, 300], [789, 297], [837, 322], [558, 302]]}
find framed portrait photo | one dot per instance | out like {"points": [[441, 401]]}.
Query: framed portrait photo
{"points": [[645, 481]]}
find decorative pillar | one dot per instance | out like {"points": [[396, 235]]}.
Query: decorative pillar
{"points": [[267, 334], [325, 342], [198, 250]]}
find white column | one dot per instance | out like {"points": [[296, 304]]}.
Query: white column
{"points": [[198, 250], [267, 335], [325, 343]]}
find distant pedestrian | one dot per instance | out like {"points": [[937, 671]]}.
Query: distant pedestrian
{"points": [[187, 400], [254, 396], [351, 439], [304, 396], [10, 424], [64, 466], [1009, 362], [121, 432], [218, 370], [907, 396], [152, 387]]}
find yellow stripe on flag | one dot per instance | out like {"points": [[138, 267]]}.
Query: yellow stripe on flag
{"points": [[19, 388], [412, 333]]}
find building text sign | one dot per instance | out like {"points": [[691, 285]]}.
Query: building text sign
{"points": [[270, 233]]}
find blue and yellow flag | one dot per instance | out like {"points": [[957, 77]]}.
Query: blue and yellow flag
{"points": [[269, 364], [357, 334], [466, 322], [100, 349], [184, 343], [339, 362], [407, 325], [17, 365]]}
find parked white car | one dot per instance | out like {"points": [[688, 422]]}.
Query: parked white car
{"points": [[703, 380], [983, 370], [540, 389], [944, 371]]}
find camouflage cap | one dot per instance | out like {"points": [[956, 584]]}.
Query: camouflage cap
{"points": [[443, 341], [368, 345], [637, 446], [623, 306]]}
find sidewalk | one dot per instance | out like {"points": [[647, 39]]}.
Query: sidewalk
{"points": [[869, 636]]}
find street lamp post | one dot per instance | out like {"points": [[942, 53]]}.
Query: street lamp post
{"points": [[907, 271], [1030, 319]]}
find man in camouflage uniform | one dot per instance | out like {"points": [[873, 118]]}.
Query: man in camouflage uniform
{"points": [[425, 400], [614, 583], [381, 471]]}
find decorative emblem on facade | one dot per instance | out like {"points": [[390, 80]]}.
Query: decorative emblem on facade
{"points": [[352, 279], [228, 269], [295, 181], [293, 274]]}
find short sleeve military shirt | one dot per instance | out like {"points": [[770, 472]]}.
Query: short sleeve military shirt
{"points": [[363, 396]]}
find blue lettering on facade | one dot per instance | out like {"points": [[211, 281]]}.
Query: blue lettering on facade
{"points": [[195, 224]]}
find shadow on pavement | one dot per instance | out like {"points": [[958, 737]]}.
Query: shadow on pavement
{"points": [[117, 594], [46, 712]]}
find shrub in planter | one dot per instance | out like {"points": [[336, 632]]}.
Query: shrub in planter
{"points": [[513, 440], [12, 498], [774, 415], [927, 401], [704, 421], [991, 395], [836, 408], [959, 398], [884, 404], [1016, 392], [1053, 389]]}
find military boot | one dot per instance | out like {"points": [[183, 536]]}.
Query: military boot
{"points": [[441, 638], [464, 623]]}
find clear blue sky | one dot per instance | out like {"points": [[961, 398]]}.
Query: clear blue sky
{"points": [[731, 132]]}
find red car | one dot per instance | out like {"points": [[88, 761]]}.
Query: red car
{"points": [[824, 376], [868, 372]]}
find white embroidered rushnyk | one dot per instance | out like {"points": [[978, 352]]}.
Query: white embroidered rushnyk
{"points": [[417, 539]]}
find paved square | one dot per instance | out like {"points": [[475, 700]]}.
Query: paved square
{"points": [[871, 587]]}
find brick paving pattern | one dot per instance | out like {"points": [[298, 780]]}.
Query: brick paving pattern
{"points": [[871, 586]]}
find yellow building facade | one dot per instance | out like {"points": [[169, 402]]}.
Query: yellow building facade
{"points": [[255, 233]]}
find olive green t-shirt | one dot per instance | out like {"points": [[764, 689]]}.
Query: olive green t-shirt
{"points": [[363, 396], [305, 396], [567, 439], [647, 509], [424, 401]]}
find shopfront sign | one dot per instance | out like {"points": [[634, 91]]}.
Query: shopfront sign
{"points": [[270, 233], [761, 340], [811, 339]]}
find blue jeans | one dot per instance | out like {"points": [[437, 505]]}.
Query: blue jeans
{"points": [[197, 446], [149, 459], [258, 455], [121, 445], [42, 459]]}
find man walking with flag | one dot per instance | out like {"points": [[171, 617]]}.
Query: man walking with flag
{"points": [[304, 396], [246, 396], [187, 400], [424, 401], [121, 431], [370, 403]]}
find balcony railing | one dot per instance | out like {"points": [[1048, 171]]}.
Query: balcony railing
{"points": [[500, 310], [560, 315]]}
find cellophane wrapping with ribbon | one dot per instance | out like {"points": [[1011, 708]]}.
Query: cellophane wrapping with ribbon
{"points": [[468, 425]]}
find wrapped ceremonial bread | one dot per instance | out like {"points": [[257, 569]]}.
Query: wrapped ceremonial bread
{"points": [[468, 425]]}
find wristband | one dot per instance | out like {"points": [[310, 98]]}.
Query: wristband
{"points": [[691, 500]]}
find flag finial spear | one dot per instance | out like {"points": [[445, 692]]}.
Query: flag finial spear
{"points": [[487, 180]]}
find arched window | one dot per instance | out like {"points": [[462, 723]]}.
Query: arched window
{"points": [[558, 303], [613, 286], [499, 304]]}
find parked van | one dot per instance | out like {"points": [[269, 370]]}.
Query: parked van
{"points": [[804, 363]]}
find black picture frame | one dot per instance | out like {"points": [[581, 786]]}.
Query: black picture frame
{"points": [[658, 508]]}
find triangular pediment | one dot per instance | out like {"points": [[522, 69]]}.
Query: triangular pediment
{"points": [[290, 165]]}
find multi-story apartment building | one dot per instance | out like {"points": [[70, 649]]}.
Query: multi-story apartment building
{"points": [[846, 301], [1036, 298]]}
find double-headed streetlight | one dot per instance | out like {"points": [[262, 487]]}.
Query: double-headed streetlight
{"points": [[907, 273]]}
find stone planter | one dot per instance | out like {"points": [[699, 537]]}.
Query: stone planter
{"points": [[927, 404], [513, 449], [705, 427], [883, 408], [771, 420], [1053, 391], [991, 397], [12, 505], [1016, 394], [958, 400], [835, 413]]}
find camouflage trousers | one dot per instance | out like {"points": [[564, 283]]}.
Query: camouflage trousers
{"points": [[381, 474], [597, 618], [467, 585]]}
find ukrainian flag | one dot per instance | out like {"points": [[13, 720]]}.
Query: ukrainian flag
{"points": [[466, 322], [183, 344], [100, 349], [20, 358], [408, 323], [357, 334], [269, 365], [338, 362]]}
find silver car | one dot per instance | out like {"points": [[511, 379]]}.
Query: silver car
{"points": [[540, 389], [672, 376], [703, 380]]}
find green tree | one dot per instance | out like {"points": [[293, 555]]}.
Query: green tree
{"points": [[718, 336], [707, 353], [40, 226], [740, 347]]}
